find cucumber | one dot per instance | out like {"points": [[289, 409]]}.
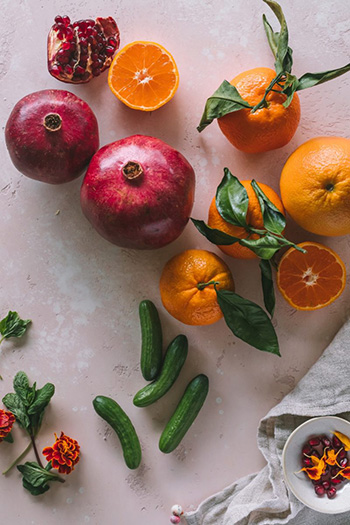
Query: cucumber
{"points": [[174, 359], [185, 413], [115, 416], [152, 340]]}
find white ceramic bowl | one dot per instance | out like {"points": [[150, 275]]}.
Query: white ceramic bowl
{"points": [[299, 484]]}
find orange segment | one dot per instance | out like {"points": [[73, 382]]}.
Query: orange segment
{"points": [[311, 280], [143, 75]]}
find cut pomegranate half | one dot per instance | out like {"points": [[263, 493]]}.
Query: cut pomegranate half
{"points": [[79, 51]]}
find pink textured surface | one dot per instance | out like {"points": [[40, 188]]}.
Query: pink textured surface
{"points": [[82, 293]]}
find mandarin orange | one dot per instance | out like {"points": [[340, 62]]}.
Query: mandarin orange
{"points": [[254, 218], [182, 288], [269, 127]]}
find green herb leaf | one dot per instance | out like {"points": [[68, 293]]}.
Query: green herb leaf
{"points": [[283, 53], [248, 321], [213, 235], [313, 79], [35, 491], [35, 478], [8, 438], [22, 388], [232, 200], [15, 404], [13, 326], [267, 286], [274, 220], [226, 99], [42, 399]]}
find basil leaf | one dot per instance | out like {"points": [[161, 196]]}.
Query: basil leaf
{"points": [[15, 404], [248, 321], [274, 220], [8, 438], [35, 491], [232, 200], [313, 79], [226, 99], [13, 326], [42, 399], [22, 388], [213, 235], [267, 286], [283, 53], [35, 478]]}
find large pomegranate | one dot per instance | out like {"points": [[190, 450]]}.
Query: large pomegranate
{"points": [[79, 51], [51, 135], [138, 192]]}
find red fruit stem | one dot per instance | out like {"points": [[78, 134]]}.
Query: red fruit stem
{"points": [[52, 122], [132, 170]]}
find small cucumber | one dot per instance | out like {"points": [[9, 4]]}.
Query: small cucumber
{"points": [[115, 416], [185, 413], [152, 340], [174, 359]]}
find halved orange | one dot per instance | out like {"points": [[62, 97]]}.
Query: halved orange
{"points": [[311, 280], [143, 75]]}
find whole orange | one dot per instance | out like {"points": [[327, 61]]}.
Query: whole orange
{"points": [[254, 218], [315, 185], [269, 127], [182, 287]]}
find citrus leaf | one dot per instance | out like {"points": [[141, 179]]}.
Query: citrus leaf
{"points": [[248, 321], [289, 88], [272, 37], [267, 286], [313, 79], [265, 247], [283, 53], [226, 99], [274, 220], [213, 235], [232, 200]]}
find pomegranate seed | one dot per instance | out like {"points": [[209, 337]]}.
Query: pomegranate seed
{"points": [[96, 72], [336, 442], [326, 441], [65, 45], [331, 492], [306, 449], [343, 462], [109, 51], [56, 70], [319, 490], [94, 31], [58, 19], [60, 35], [82, 25], [89, 31], [326, 485], [83, 62], [79, 70], [91, 40], [112, 41], [90, 22], [307, 462], [315, 453], [66, 20], [314, 442], [336, 481], [342, 454], [94, 57], [334, 471], [68, 69]]}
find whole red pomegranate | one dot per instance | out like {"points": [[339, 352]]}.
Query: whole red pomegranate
{"points": [[79, 51], [138, 192], [51, 135]]}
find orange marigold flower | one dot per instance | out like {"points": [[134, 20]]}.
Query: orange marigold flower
{"points": [[64, 454], [7, 420]]}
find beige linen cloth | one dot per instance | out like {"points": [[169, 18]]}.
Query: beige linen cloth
{"points": [[263, 498]]}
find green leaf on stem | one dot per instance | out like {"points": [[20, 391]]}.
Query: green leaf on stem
{"points": [[35, 491], [248, 321], [274, 220], [265, 247], [226, 99], [22, 388], [8, 438], [313, 79], [289, 88], [13, 326], [213, 235], [42, 399], [267, 286], [35, 477], [232, 200], [15, 404], [279, 41]]}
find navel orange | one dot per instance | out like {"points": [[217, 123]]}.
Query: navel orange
{"points": [[254, 219], [143, 75], [315, 185], [269, 127], [311, 280], [184, 287]]}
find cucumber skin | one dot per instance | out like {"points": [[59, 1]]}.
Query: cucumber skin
{"points": [[174, 360], [151, 340], [185, 413], [115, 416]]}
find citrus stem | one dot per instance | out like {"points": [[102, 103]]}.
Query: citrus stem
{"points": [[201, 286], [17, 460], [263, 102]]}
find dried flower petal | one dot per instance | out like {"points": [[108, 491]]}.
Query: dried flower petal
{"points": [[345, 472], [318, 469], [64, 454], [344, 439], [332, 457], [7, 420]]}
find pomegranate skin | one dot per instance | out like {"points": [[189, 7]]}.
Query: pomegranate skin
{"points": [[51, 136], [145, 212]]}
